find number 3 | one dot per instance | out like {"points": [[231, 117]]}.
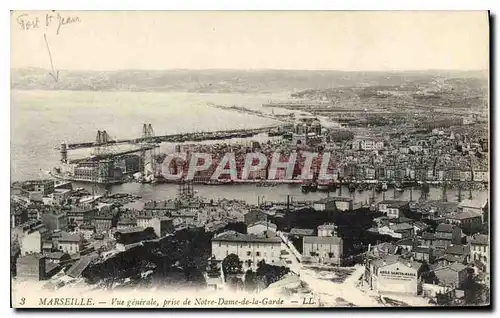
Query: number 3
{"points": [[23, 301]]}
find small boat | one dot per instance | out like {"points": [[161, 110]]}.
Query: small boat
{"points": [[313, 187], [323, 187], [305, 187]]}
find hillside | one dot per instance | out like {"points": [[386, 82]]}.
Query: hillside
{"points": [[216, 81]]}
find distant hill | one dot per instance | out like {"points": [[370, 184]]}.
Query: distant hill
{"points": [[218, 81]]}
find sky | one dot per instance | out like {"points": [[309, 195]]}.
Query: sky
{"points": [[328, 40]]}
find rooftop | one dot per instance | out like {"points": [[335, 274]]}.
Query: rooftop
{"points": [[394, 203], [302, 232], [443, 227], [67, 237], [232, 236], [264, 223], [333, 240], [475, 203], [465, 215], [479, 239]]}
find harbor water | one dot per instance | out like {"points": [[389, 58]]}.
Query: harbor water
{"points": [[41, 120]]}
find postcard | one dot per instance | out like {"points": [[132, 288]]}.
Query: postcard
{"points": [[249, 159]]}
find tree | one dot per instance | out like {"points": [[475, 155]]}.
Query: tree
{"points": [[269, 273], [231, 264], [250, 281]]}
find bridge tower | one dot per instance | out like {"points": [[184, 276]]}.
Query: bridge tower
{"points": [[148, 157], [100, 167]]}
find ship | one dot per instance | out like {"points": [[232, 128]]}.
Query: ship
{"points": [[425, 187], [323, 187], [309, 187]]}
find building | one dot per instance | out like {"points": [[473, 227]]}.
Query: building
{"points": [[254, 216], [251, 249], [453, 275], [468, 220], [131, 236], [61, 195], [161, 208], [45, 186], [397, 230], [186, 216], [18, 215], [162, 225], [477, 206], [80, 214], [34, 267], [334, 204], [55, 220], [423, 254], [393, 208], [261, 227], [480, 175], [57, 257], [68, 243], [125, 224], [480, 249], [326, 248], [327, 230], [444, 235], [102, 223], [393, 274], [31, 238], [302, 232], [87, 231]]}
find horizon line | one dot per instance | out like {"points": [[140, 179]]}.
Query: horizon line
{"points": [[253, 70]]}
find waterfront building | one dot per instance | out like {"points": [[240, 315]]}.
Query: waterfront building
{"points": [[251, 249]]}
